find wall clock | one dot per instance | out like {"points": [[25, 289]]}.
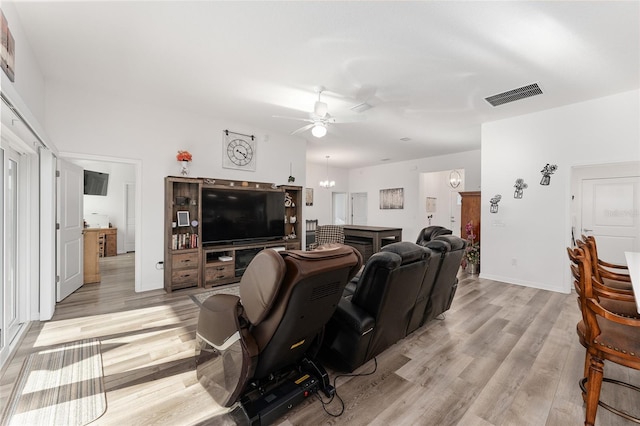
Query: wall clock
{"points": [[239, 153]]}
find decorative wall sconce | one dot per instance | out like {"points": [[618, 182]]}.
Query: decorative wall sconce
{"points": [[520, 186], [455, 179], [547, 171], [494, 203]]}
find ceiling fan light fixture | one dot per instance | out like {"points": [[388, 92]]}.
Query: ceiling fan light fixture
{"points": [[319, 130]]}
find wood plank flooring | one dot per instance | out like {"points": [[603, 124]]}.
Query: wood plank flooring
{"points": [[504, 355]]}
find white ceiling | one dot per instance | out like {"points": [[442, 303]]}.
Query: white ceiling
{"points": [[425, 67]]}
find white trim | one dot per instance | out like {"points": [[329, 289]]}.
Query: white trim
{"points": [[47, 234], [542, 286]]}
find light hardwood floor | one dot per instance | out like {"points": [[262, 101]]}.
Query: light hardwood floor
{"points": [[504, 355]]}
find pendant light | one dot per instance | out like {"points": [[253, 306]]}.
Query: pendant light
{"points": [[327, 183]]}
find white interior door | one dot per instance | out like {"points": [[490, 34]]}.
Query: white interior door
{"points": [[359, 208], [611, 213], [130, 217], [70, 225], [340, 207], [455, 211]]}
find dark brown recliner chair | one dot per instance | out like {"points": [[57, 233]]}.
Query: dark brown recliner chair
{"points": [[379, 311], [430, 232], [251, 345]]}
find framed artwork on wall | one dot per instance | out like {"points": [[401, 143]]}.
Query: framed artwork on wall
{"points": [[8, 52], [392, 198], [308, 196]]}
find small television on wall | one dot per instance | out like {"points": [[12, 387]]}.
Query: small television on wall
{"points": [[95, 183], [230, 215]]}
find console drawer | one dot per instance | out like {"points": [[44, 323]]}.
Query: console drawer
{"points": [[219, 271], [183, 278], [185, 260]]}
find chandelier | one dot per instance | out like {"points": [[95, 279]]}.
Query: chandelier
{"points": [[327, 183]]}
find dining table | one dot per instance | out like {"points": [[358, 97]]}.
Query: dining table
{"points": [[633, 262]]}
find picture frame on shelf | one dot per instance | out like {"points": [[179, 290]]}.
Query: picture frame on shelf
{"points": [[183, 218]]}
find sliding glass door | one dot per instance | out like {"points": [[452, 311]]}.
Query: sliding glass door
{"points": [[9, 248]]}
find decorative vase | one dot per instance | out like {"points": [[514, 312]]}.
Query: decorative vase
{"points": [[473, 268], [184, 168]]}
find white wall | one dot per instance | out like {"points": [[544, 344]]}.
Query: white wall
{"points": [[436, 185], [321, 208], [80, 122], [407, 175], [535, 230]]}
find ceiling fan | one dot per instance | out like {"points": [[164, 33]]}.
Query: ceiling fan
{"points": [[318, 119]]}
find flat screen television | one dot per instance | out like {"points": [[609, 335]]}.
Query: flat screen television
{"points": [[95, 183], [236, 215]]}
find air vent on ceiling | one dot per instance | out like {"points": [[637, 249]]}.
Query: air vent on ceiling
{"points": [[362, 107], [514, 95]]}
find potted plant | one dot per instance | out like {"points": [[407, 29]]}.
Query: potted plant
{"points": [[471, 260]]}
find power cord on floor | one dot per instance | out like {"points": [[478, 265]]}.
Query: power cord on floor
{"points": [[335, 395]]}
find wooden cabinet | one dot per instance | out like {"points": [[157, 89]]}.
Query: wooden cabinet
{"points": [[182, 238], [188, 264], [110, 241], [293, 216], [219, 267], [91, 249], [226, 264], [470, 212]]}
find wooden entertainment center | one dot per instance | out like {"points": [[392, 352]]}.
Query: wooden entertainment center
{"points": [[187, 263]]}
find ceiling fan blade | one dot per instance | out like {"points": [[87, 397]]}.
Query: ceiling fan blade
{"points": [[293, 118], [303, 128]]}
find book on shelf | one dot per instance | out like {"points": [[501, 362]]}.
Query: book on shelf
{"points": [[184, 241]]}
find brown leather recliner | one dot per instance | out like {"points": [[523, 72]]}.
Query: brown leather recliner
{"points": [[258, 339]]}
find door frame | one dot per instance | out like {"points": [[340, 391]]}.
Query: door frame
{"points": [[137, 164], [364, 195], [126, 241]]}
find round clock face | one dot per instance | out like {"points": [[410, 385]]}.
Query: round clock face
{"points": [[239, 152]]}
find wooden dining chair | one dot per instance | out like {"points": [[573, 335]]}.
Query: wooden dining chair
{"points": [[614, 275], [606, 335], [606, 286]]}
